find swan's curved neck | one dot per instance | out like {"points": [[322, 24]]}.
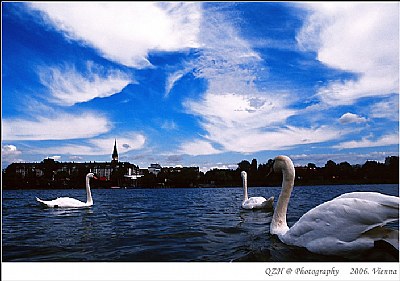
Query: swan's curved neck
{"points": [[279, 224], [89, 199], [245, 195]]}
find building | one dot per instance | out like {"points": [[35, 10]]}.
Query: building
{"points": [[51, 173], [154, 169]]}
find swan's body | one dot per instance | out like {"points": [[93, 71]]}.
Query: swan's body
{"points": [[350, 222], [254, 202], [67, 202]]}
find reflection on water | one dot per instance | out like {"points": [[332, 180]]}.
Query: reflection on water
{"points": [[153, 225]]}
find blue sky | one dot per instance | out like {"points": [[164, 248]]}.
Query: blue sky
{"points": [[204, 84]]}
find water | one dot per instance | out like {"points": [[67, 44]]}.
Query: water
{"points": [[160, 225]]}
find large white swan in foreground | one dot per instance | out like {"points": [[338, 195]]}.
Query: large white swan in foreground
{"points": [[67, 202], [350, 222], [254, 202]]}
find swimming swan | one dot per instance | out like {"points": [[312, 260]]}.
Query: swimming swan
{"points": [[254, 202], [67, 202], [350, 222]]}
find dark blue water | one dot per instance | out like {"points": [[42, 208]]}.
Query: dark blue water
{"points": [[158, 225]]}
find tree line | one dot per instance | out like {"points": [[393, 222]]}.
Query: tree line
{"points": [[371, 172]]}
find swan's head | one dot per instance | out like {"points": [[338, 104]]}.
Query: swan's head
{"points": [[243, 174], [91, 176], [282, 162]]}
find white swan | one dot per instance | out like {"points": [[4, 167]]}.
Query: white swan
{"points": [[254, 202], [350, 222], [67, 202]]}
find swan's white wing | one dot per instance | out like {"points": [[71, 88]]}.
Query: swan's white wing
{"points": [[253, 202], [383, 199], [340, 225], [258, 203], [63, 202]]}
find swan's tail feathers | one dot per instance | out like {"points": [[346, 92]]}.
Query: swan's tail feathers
{"points": [[393, 238], [269, 203], [388, 235]]}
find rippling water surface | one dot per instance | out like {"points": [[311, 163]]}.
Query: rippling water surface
{"points": [[153, 225]]}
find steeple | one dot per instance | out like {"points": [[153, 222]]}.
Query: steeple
{"points": [[115, 153]]}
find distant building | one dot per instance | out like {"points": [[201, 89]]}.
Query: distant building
{"points": [[179, 169], [155, 169], [115, 153], [69, 174]]}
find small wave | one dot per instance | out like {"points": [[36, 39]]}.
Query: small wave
{"points": [[183, 235]]}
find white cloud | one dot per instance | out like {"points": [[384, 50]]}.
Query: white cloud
{"points": [[59, 127], [248, 140], [76, 158], [391, 139], [244, 124], [388, 109], [362, 38], [9, 150], [55, 157], [126, 32], [172, 79], [198, 147], [99, 146], [219, 166], [351, 118], [10, 154], [238, 111], [67, 86]]}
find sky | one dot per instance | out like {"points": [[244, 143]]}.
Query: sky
{"points": [[204, 84]]}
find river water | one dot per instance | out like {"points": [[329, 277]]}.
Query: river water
{"points": [[163, 225]]}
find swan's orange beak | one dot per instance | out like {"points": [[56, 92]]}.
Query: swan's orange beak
{"points": [[95, 177]]}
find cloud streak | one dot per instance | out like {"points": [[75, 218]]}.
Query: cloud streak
{"points": [[67, 86], [98, 146], [127, 32], [392, 139], [361, 38], [61, 127], [198, 147]]}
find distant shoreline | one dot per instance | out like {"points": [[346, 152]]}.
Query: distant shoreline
{"points": [[201, 187]]}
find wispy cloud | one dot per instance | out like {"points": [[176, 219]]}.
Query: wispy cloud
{"points": [[233, 112], [351, 118], [61, 127], [169, 125], [98, 146], [172, 79], [251, 140], [370, 141], [388, 109], [67, 86], [127, 32], [361, 38], [198, 147], [249, 124], [129, 141]]}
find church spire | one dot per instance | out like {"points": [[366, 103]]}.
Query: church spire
{"points": [[115, 153]]}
